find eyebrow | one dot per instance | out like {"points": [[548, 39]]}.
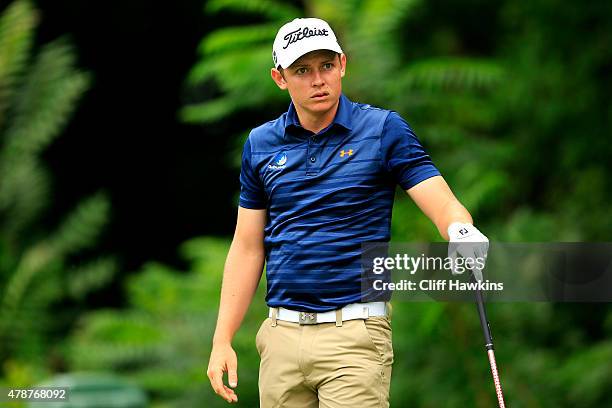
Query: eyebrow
{"points": [[322, 62]]}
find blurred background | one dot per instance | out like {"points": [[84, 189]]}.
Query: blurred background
{"points": [[121, 128]]}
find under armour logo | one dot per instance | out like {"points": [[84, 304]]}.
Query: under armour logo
{"points": [[463, 231], [346, 153], [309, 316]]}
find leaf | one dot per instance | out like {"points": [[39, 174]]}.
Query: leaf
{"points": [[16, 35], [24, 193], [445, 73], [90, 276], [276, 10], [233, 38], [82, 227], [45, 101]]}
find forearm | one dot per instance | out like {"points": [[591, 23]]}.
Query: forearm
{"points": [[451, 211], [435, 198], [241, 276]]}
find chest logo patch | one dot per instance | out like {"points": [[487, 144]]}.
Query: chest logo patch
{"points": [[279, 161], [346, 153]]}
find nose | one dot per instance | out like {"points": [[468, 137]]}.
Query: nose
{"points": [[317, 79]]}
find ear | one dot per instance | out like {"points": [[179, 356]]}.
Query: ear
{"points": [[278, 78], [342, 65]]}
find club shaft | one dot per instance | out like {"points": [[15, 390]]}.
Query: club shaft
{"points": [[484, 322], [486, 330], [498, 389]]}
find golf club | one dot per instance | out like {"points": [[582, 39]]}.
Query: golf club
{"points": [[486, 330]]}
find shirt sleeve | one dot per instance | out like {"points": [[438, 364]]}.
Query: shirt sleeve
{"points": [[403, 155], [252, 193]]}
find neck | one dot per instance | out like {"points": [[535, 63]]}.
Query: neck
{"points": [[315, 122]]}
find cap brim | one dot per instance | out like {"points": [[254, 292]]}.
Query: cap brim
{"points": [[306, 50]]}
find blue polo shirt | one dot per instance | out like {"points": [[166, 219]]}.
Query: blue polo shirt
{"points": [[326, 194]]}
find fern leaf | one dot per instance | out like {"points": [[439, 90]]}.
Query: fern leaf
{"points": [[82, 227], [46, 101], [275, 10], [110, 339], [31, 263], [232, 38], [24, 193], [458, 73], [90, 276], [207, 112], [16, 35]]}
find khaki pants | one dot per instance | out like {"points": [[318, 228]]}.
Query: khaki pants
{"points": [[324, 365]]}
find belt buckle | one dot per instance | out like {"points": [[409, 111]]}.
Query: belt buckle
{"points": [[308, 318]]}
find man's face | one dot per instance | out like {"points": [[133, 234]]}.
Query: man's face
{"points": [[314, 81]]}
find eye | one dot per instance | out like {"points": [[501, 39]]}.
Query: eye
{"points": [[328, 65], [300, 71]]}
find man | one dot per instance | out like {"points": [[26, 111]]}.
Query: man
{"points": [[316, 183]]}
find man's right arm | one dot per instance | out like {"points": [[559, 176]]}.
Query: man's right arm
{"points": [[241, 276]]}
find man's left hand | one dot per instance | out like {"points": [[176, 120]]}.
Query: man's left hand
{"points": [[467, 241]]}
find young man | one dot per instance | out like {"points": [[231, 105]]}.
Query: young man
{"points": [[317, 183]]}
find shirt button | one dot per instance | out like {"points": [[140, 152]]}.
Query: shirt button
{"points": [[313, 159]]}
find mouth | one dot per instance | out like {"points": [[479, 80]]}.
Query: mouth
{"points": [[320, 95]]}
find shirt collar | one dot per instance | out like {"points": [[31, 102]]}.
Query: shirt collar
{"points": [[342, 118]]}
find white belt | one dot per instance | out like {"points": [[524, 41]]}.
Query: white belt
{"points": [[348, 312]]}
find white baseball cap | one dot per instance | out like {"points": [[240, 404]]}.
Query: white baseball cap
{"points": [[301, 36]]}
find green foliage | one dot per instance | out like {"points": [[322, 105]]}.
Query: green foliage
{"points": [[271, 9], [520, 132], [162, 341], [15, 40], [545, 359], [38, 93], [450, 95], [229, 58], [479, 117]]}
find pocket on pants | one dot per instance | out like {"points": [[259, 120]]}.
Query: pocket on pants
{"points": [[378, 330], [259, 339]]}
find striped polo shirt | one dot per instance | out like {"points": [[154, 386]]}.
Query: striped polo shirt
{"points": [[326, 194]]}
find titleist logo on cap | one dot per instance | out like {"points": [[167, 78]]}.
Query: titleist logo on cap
{"points": [[323, 38], [302, 33]]}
